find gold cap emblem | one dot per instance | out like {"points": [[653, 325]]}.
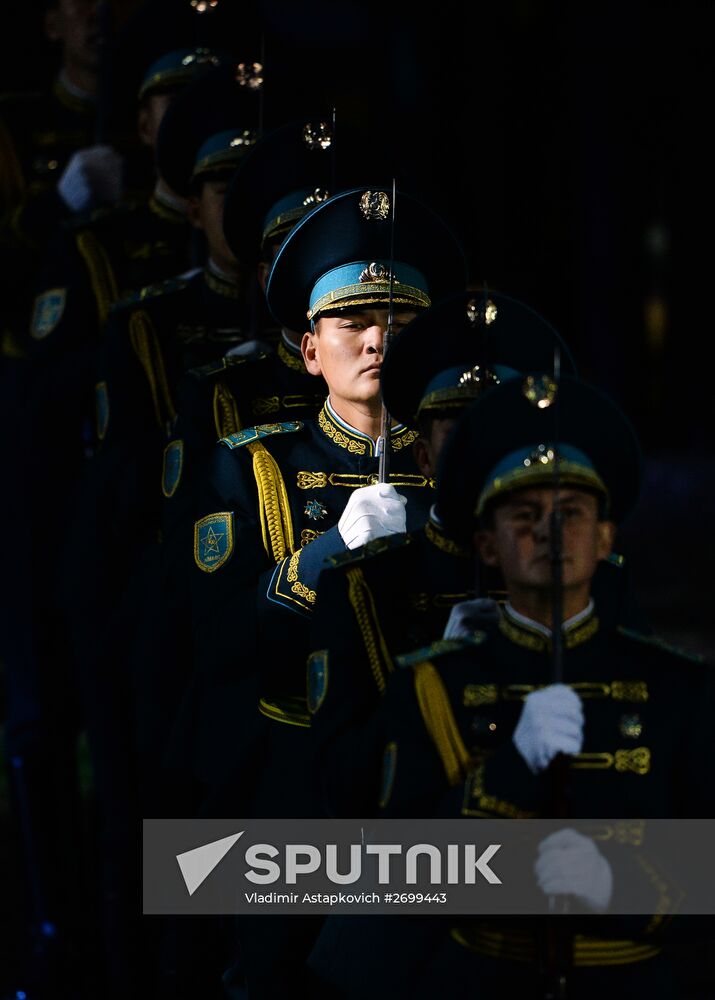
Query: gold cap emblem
{"points": [[478, 378], [375, 272], [481, 312], [203, 57], [246, 138], [541, 455], [318, 196], [374, 205], [250, 75], [317, 135], [540, 390]]}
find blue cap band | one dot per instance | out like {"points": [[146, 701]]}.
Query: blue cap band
{"points": [[223, 149], [364, 282], [287, 210], [460, 384]]}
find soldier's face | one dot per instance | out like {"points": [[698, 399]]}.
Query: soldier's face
{"points": [[347, 350], [427, 449], [75, 24], [519, 540], [206, 212], [151, 114]]}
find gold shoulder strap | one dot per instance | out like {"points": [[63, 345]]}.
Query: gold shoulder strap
{"points": [[440, 722], [101, 273], [363, 605], [146, 347], [226, 416], [276, 522]]}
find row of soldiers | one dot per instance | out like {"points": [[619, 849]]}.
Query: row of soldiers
{"points": [[273, 568]]}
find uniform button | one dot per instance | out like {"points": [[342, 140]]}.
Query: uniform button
{"points": [[483, 727], [372, 480]]}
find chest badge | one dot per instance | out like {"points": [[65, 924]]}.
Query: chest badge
{"points": [[315, 510], [630, 726]]}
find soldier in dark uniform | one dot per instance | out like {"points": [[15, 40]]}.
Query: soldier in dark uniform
{"points": [[473, 726], [280, 180], [395, 594], [52, 166], [150, 341], [282, 497]]}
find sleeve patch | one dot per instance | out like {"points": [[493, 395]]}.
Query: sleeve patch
{"points": [[213, 541]]}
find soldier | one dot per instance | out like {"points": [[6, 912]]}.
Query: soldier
{"points": [[473, 726], [396, 593], [281, 497], [280, 180], [53, 167], [96, 262], [150, 341]]}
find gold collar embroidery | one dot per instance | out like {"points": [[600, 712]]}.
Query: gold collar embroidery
{"points": [[522, 635], [357, 443]]}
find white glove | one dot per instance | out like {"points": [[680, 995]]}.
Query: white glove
{"points": [[93, 176], [570, 863], [551, 722], [468, 616], [371, 512]]}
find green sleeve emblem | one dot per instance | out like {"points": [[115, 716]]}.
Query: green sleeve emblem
{"points": [[47, 312], [317, 679], [173, 465], [101, 394], [213, 541], [389, 766]]}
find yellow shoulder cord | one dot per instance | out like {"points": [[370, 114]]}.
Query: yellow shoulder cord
{"points": [[276, 522], [101, 273], [440, 722], [226, 416], [363, 605], [146, 347]]}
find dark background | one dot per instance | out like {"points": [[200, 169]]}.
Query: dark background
{"points": [[570, 147]]}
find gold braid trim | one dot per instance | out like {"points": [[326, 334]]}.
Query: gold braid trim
{"points": [[440, 722], [146, 347], [101, 273], [276, 522], [226, 416], [291, 361], [363, 605]]}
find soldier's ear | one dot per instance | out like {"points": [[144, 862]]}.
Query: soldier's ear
{"points": [[606, 535], [423, 456], [262, 273], [144, 126], [486, 547], [193, 212], [53, 24], [309, 350]]}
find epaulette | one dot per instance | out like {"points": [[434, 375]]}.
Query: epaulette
{"points": [[108, 212], [654, 640], [240, 438], [441, 648], [151, 292], [223, 364], [373, 548]]}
